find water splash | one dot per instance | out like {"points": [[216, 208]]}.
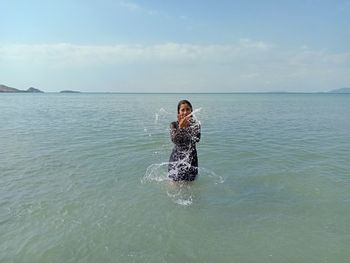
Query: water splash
{"points": [[159, 114], [156, 173], [207, 173], [162, 110], [180, 193], [193, 112]]}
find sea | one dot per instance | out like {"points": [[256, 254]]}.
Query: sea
{"points": [[83, 178]]}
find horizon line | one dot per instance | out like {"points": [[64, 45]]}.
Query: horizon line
{"points": [[233, 92]]}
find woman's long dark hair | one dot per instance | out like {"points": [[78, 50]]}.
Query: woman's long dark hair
{"points": [[183, 102]]}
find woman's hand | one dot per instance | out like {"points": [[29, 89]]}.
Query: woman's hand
{"points": [[183, 121]]}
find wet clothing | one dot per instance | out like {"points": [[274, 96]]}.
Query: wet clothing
{"points": [[183, 162]]}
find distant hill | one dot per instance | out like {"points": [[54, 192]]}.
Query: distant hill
{"points": [[69, 91], [342, 90], [4, 88], [31, 89]]}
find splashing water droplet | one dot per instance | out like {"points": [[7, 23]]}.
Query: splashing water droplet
{"points": [[156, 172], [194, 112]]}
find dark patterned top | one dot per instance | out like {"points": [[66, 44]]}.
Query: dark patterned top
{"points": [[183, 162]]}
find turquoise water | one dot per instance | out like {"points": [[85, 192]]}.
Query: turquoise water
{"points": [[83, 179]]}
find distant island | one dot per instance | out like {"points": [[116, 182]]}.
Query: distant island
{"points": [[4, 88], [69, 91], [342, 90]]}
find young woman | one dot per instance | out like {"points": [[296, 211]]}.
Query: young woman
{"points": [[184, 133]]}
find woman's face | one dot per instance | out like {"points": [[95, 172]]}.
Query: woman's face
{"points": [[185, 109]]}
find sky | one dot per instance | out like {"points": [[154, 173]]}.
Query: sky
{"points": [[175, 46]]}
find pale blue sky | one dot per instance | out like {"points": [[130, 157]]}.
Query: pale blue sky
{"points": [[175, 46]]}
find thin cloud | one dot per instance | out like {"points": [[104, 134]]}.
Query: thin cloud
{"points": [[132, 6], [244, 50], [245, 64], [168, 52]]}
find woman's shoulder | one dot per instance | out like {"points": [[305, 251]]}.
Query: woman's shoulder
{"points": [[174, 124]]}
